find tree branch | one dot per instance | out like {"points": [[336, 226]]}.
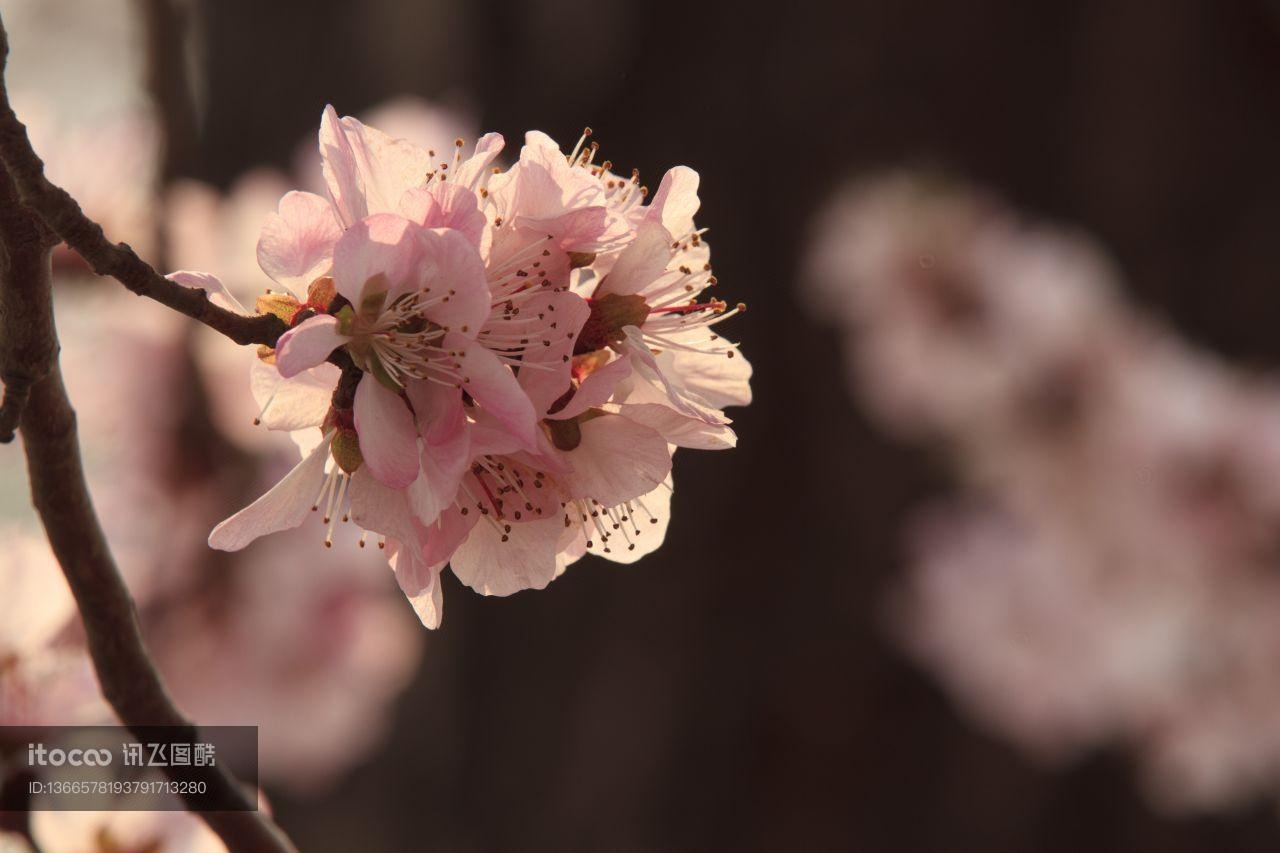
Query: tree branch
{"points": [[27, 355], [129, 680], [36, 401], [63, 215]]}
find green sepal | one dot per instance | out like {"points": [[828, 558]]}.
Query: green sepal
{"points": [[374, 296], [380, 373], [346, 319]]}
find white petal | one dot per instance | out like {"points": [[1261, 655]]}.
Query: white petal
{"points": [[296, 245], [641, 264], [297, 403], [616, 460], [420, 584], [366, 170], [650, 520], [596, 389], [388, 436], [285, 506], [526, 561], [680, 430], [210, 284], [676, 201], [681, 398], [379, 509], [488, 147], [308, 344], [719, 380]]}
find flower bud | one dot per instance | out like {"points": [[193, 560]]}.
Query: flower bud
{"points": [[346, 450]]}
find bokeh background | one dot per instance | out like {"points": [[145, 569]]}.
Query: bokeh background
{"points": [[740, 689]]}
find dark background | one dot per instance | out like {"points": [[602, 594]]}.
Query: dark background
{"points": [[735, 690]]}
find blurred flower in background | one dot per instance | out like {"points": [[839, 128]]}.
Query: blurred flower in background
{"points": [[44, 678], [118, 832], [169, 448], [1107, 572]]}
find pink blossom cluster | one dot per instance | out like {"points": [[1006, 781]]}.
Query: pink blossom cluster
{"points": [[1108, 574], [313, 651], [485, 368]]}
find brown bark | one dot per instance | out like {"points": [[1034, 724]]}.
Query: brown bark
{"points": [[36, 402]]}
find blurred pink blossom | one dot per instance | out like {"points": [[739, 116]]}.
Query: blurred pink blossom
{"points": [[313, 652], [120, 831], [1109, 574], [45, 676], [119, 198]]}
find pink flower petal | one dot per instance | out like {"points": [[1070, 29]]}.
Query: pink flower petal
{"points": [[678, 429], [443, 468], [546, 371], [488, 147], [445, 205], [420, 583], [489, 438], [388, 438], [341, 174], [366, 170], [676, 201], [492, 385], [443, 537], [210, 284], [308, 344], [445, 455], [379, 509], [526, 561], [285, 506], [616, 461], [578, 230], [421, 207], [641, 264], [383, 244], [296, 246], [451, 265], [296, 403], [596, 389]]}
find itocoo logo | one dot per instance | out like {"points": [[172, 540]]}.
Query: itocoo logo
{"points": [[38, 756]]}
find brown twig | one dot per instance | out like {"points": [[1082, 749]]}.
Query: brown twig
{"points": [[129, 680], [27, 355], [32, 211], [344, 394], [63, 215]]}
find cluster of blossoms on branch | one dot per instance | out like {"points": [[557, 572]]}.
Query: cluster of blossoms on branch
{"points": [[485, 368], [1107, 573], [317, 674]]}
